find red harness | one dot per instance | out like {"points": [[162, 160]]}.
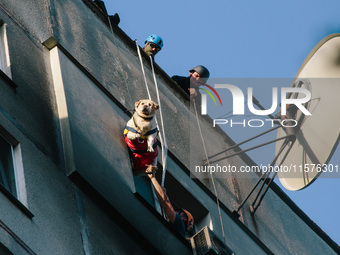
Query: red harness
{"points": [[139, 154]]}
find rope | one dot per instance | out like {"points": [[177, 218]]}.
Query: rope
{"points": [[162, 132], [212, 178], [142, 67]]}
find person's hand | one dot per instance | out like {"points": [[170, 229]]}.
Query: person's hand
{"points": [[192, 92], [150, 171]]}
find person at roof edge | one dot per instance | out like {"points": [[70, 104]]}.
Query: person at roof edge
{"points": [[153, 44], [180, 219], [190, 84]]}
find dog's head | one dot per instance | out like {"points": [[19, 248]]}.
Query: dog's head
{"points": [[146, 108]]}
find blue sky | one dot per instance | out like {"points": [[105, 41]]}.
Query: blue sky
{"points": [[242, 39]]}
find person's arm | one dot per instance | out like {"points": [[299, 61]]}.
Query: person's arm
{"points": [[193, 92], [163, 199]]}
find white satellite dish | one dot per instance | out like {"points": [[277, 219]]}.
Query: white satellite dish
{"points": [[317, 136], [303, 150]]}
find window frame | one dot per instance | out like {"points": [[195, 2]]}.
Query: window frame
{"points": [[5, 64], [193, 205], [19, 199], [151, 202], [7, 166]]}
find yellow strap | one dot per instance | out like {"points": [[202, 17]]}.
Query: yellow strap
{"points": [[127, 131]]}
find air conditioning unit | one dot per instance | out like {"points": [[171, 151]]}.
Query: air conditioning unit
{"points": [[206, 243]]}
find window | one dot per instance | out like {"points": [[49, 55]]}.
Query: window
{"points": [[181, 198], [4, 250], [4, 52], [144, 188], [7, 173], [12, 179]]}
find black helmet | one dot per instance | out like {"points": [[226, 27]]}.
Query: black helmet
{"points": [[203, 71]]}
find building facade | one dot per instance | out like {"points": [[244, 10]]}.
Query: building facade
{"points": [[68, 80]]}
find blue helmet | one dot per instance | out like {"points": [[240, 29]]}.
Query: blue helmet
{"points": [[155, 39]]}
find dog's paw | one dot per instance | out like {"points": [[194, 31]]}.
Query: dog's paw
{"points": [[133, 136], [150, 149]]}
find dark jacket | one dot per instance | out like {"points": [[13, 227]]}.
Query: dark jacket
{"points": [[184, 83]]}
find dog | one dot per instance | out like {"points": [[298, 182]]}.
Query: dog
{"points": [[140, 136]]}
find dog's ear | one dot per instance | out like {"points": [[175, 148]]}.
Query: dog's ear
{"points": [[137, 103], [155, 106]]}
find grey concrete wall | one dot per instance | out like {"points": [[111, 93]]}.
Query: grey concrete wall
{"points": [[65, 220]]}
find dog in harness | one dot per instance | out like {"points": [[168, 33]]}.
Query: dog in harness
{"points": [[140, 136]]}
